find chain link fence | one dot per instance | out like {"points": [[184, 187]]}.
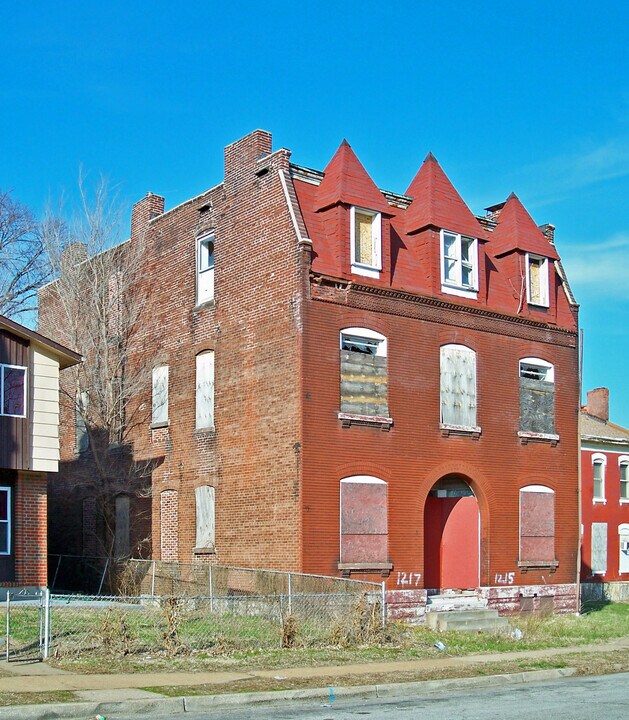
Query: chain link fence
{"points": [[172, 608]]}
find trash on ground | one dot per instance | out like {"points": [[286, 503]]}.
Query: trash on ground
{"points": [[517, 634], [440, 646]]}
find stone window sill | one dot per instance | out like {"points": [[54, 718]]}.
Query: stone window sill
{"points": [[204, 551], [204, 305], [599, 501], [348, 419], [160, 425], [526, 565], [447, 430], [205, 431], [384, 568], [527, 437]]}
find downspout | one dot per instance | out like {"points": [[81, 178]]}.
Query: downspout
{"points": [[579, 493]]}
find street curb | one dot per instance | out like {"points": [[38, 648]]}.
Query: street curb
{"points": [[201, 703]]}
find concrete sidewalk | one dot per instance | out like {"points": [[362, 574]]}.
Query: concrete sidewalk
{"points": [[111, 694]]}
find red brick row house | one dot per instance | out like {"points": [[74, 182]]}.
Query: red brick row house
{"points": [[604, 492], [29, 449], [350, 381]]}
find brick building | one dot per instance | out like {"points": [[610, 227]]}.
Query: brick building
{"points": [[604, 493], [29, 449], [359, 382]]}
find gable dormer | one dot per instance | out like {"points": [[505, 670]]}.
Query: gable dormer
{"points": [[346, 183], [516, 233], [438, 206]]}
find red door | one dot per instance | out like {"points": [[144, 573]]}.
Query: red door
{"points": [[452, 542]]}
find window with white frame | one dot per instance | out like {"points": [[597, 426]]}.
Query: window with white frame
{"points": [[599, 461], [205, 534], [5, 520], [205, 268], [459, 264], [366, 241], [537, 396], [623, 467], [623, 540], [159, 414], [458, 386], [363, 373], [205, 390], [537, 280], [13, 390]]}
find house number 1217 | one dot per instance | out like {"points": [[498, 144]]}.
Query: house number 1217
{"points": [[408, 579]]}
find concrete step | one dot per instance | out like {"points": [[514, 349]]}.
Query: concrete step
{"points": [[478, 620]]}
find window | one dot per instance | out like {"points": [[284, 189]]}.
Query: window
{"points": [[599, 548], [121, 530], [623, 532], [365, 233], [459, 264], [537, 280], [623, 466], [537, 527], [5, 520], [13, 390], [205, 537], [364, 373], [82, 433], [205, 268], [598, 476], [205, 390], [364, 532], [160, 395], [537, 396], [458, 386]]}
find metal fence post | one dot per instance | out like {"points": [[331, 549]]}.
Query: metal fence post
{"points": [[211, 588], [8, 623], [290, 596], [384, 604], [153, 580], [46, 623]]}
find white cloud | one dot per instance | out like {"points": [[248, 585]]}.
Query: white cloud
{"points": [[599, 267]]}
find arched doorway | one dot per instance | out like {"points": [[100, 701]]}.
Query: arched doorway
{"points": [[451, 535]]}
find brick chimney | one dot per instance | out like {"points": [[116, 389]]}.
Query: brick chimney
{"points": [[549, 232], [144, 210], [598, 403], [72, 255]]}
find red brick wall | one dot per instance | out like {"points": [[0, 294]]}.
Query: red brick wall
{"points": [[30, 534], [413, 455]]}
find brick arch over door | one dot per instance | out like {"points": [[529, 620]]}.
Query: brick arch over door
{"points": [[478, 483]]}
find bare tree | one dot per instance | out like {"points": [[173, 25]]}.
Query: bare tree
{"points": [[96, 306], [24, 266]]}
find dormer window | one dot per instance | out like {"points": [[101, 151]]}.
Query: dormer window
{"points": [[459, 264], [537, 280], [365, 233]]}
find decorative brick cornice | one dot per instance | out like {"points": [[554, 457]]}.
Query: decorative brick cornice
{"points": [[391, 301]]}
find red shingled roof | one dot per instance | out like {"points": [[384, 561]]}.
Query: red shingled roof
{"points": [[436, 202], [346, 180], [516, 230]]}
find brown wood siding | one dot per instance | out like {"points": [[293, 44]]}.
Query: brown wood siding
{"points": [[14, 431]]}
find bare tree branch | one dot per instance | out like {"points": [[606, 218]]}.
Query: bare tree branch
{"points": [[24, 267]]}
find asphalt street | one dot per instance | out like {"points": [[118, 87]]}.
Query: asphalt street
{"points": [[582, 698]]}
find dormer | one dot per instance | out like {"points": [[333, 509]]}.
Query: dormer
{"points": [[364, 211], [437, 206], [517, 234]]}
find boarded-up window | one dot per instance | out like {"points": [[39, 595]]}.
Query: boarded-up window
{"points": [[363, 373], [537, 396], [537, 524], [160, 395], [205, 390], [366, 233], [537, 280], [121, 536], [598, 477], [599, 548], [204, 497], [458, 386], [82, 434], [363, 520]]}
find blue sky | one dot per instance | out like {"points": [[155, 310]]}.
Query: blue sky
{"points": [[530, 97]]}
